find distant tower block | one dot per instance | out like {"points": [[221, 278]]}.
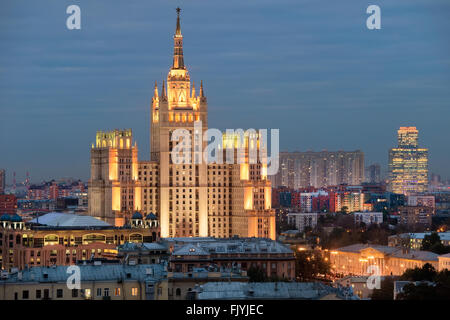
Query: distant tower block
{"points": [[408, 164]]}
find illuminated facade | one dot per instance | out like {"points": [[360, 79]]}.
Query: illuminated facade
{"points": [[408, 164], [363, 259], [190, 199], [31, 245]]}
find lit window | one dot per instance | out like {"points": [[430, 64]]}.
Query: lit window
{"points": [[134, 291]]}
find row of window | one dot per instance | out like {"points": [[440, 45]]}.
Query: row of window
{"points": [[85, 293]]}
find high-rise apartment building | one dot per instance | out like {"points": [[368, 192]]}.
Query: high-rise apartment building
{"points": [[319, 169], [192, 198], [373, 173], [408, 164]]}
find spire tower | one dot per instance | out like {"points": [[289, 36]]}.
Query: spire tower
{"points": [[178, 60]]}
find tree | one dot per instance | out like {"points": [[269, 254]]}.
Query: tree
{"points": [[426, 273], [309, 264], [386, 291], [256, 274], [432, 242]]}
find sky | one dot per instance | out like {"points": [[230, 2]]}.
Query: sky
{"points": [[310, 68]]}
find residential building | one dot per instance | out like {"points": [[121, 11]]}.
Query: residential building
{"points": [[143, 253], [422, 201], [270, 256], [368, 218], [319, 169], [414, 240], [373, 173], [98, 282], [416, 217], [302, 220], [181, 285], [271, 291], [8, 204]]}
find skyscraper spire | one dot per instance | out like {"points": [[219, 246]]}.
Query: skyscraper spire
{"points": [[178, 30], [163, 90], [178, 60], [156, 90], [201, 89]]}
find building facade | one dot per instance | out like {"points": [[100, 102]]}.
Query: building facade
{"points": [[193, 198], [272, 257], [319, 169], [408, 164], [34, 244], [414, 240], [416, 216], [368, 218], [364, 260], [302, 220], [98, 282]]}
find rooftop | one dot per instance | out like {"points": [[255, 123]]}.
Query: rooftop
{"points": [[392, 251], [231, 245], [58, 219], [264, 290], [90, 272]]}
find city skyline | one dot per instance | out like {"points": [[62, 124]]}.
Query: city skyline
{"points": [[84, 83]]}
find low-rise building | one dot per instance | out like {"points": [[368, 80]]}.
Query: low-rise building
{"points": [[272, 291], [182, 284], [444, 262], [358, 285], [364, 260], [273, 257], [142, 253], [414, 240], [62, 239], [97, 282], [368, 218], [303, 220]]}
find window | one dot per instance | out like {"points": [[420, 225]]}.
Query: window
{"points": [[25, 294], [117, 292], [38, 294], [178, 292], [106, 293], [59, 293], [74, 293], [134, 291], [87, 293], [99, 292]]}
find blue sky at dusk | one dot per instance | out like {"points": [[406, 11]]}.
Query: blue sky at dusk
{"points": [[308, 67]]}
